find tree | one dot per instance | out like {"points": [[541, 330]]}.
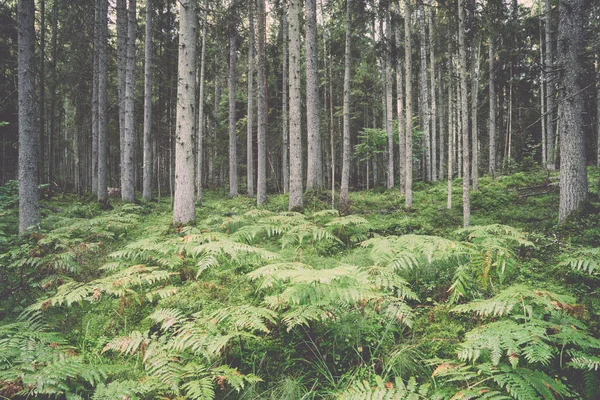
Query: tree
{"points": [[122, 22], [250, 117], [183, 205], [433, 98], [147, 186], [389, 128], [492, 92], [261, 195], [400, 104], [127, 168], [285, 168], [424, 93], [408, 89], [344, 202], [29, 212], [231, 84], [573, 173], [549, 77], [314, 171], [200, 139], [96, 44], [474, 126], [102, 102], [462, 50], [295, 201]]}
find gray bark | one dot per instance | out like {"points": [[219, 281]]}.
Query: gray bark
{"points": [[573, 172], [598, 108], [147, 186], [103, 102], [314, 170], [127, 169], [400, 107], [474, 125], [433, 114], [550, 87], [492, 100], [250, 113], [122, 21], [424, 92], [408, 88], [344, 202], [200, 139], [296, 200], [284, 107], [441, 117], [233, 178], [389, 126], [261, 194], [29, 212], [94, 181], [462, 50], [183, 205], [450, 132]]}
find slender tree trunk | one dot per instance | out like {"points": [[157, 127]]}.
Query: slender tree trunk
{"points": [[127, 169], [250, 113], [200, 139], [550, 87], [122, 22], [183, 206], [464, 115], [52, 133], [332, 130], [94, 102], [543, 98], [314, 171], [103, 102], [433, 114], [450, 132], [284, 106], [42, 107], [474, 126], [441, 117], [408, 77], [424, 91], [261, 195], [492, 100], [573, 173], [233, 179], [344, 201], [295, 201], [29, 212], [598, 107], [147, 186], [389, 123], [400, 107]]}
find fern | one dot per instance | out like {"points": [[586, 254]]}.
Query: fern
{"points": [[583, 260], [387, 391]]}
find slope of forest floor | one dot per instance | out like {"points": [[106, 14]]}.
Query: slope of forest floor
{"points": [[261, 303]]}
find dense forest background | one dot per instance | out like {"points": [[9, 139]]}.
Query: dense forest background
{"points": [[283, 200]]}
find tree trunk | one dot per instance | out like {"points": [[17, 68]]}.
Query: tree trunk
{"points": [[598, 107], [147, 186], [408, 87], [103, 102], [127, 169], [474, 126], [122, 22], [550, 87], [183, 206], [424, 91], [346, 152], [450, 132], [42, 107], [573, 173], [94, 160], [433, 97], [542, 97], [200, 139], [400, 106], [389, 123], [52, 133], [492, 100], [314, 171], [284, 107], [464, 115], [261, 195], [233, 179], [295, 201], [441, 117], [250, 113], [29, 212]]}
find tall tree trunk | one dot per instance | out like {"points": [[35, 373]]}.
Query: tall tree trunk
{"points": [[284, 106], [492, 100], [344, 201], [542, 97], [474, 126], [441, 117], [42, 107], [408, 88], [29, 212], [598, 107], [389, 123], [233, 179], [52, 133], [200, 139], [295, 201], [183, 206], [261, 195], [433, 114], [147, 186], [94, 160], [464, 115], [550, 77], [400, 106], [102, 102], [450, 131], [424, 91], [573, 173], [127, 169], [122, 21], [314, 171], [250, 113]]}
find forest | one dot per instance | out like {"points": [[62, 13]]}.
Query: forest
{"points": [[332, 199]]}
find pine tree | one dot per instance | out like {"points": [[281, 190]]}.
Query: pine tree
{"points": [[344, 202], [296, 200], [147, 186]]}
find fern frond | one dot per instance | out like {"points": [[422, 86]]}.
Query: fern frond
{"points": [[245, 318], [167, 317], [303, 315], [525, 384], [387, 391], [581, 360], [297, 235], [585, 260], [129, 344]]}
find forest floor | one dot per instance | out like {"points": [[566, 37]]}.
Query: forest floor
{"points": [[261, 303]]}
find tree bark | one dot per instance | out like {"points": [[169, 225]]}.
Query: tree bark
{"points": [[474, 126], [346, 152], [52, 133], [122, 22], [94, 160], [261, 195], [42, 107], [550, 87], [408, 88], [424, 91], [296, 200], [102, 102], [464, 115], [389, 123], [183, 206], [233, 179], [573, 173], [400, 106], [284, 106], [314, 171], [250, 113], [127, 169], [433, 114], [492, 100], [29, 212], [450, 131], [200, 139], [147, 186]]}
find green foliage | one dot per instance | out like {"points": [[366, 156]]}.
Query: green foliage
{"points": [[387, 391]]}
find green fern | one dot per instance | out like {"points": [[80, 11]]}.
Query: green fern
{"points": [[387, 391], [585, 260]]}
